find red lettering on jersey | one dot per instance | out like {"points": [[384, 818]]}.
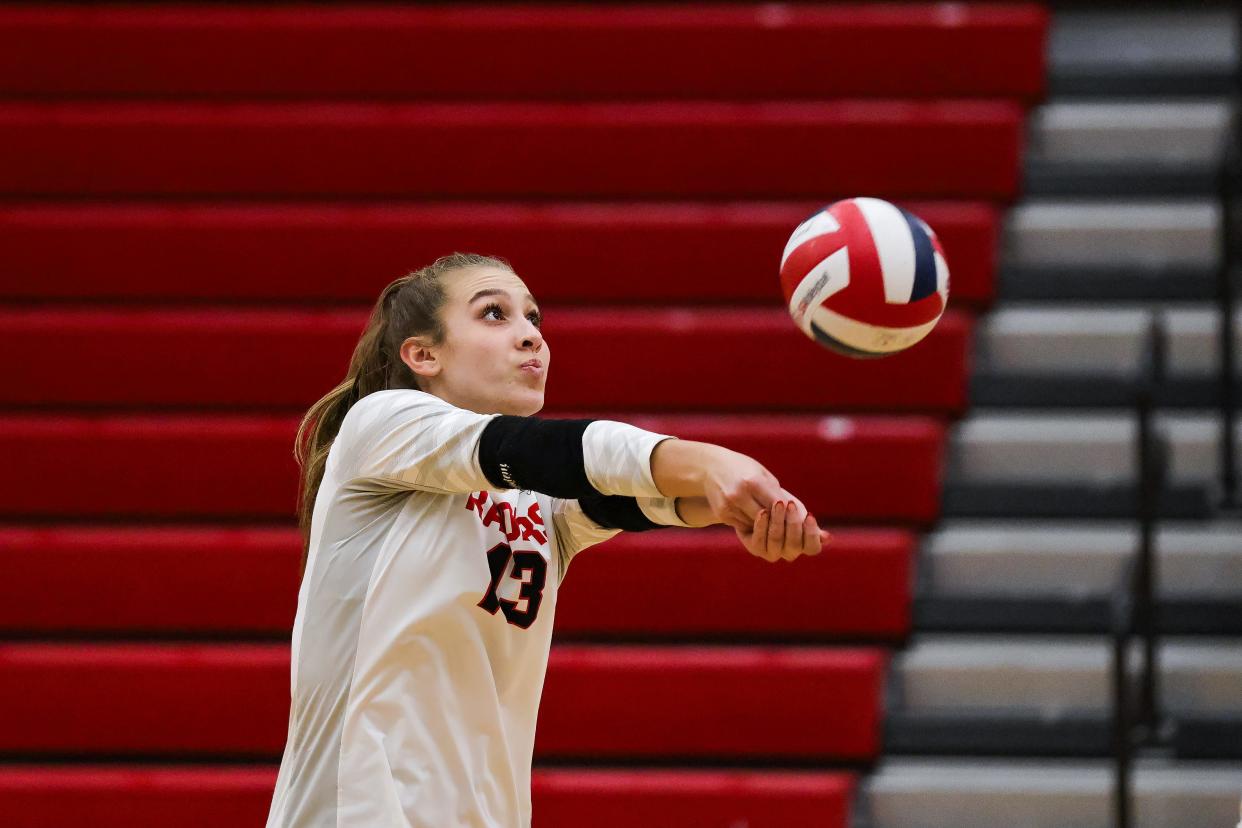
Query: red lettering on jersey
{"points": [[528, 531], [507, 524], [494, 515], [477, 501], [503, 514]]}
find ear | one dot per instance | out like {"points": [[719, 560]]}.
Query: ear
{"points": [[420, 356]]}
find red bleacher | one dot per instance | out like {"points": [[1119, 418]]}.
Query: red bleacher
{"points": [[216, 580], [967, 149], [202, 201], [527, 51], [681, 360], [36, 796], [699, 253], [205, 700], [229, 467]]}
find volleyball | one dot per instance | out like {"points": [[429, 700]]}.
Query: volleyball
{"points": [[864, 278]]}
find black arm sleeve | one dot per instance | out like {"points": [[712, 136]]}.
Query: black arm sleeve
{"points": [[617, 512], [536, 455]]}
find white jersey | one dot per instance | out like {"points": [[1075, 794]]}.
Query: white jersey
{"points": [[424, 619]]}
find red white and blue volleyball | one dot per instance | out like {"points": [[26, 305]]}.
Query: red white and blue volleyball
{"points": [[865, 278]]}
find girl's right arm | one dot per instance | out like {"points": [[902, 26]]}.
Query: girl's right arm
{"points": [[738, 491]]}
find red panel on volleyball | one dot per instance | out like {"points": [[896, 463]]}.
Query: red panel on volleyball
{"points": [[453, 151], [198, 796], [566, 52], [233, 700], [853, 468], [600, 359], [297, 254], [186, 580]]}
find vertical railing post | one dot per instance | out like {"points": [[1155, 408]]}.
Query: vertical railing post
{"points": [[1122, 622], [1230, 169], [1151, 463]]}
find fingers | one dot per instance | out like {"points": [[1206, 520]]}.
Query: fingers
{"points": [[794, 522], [775, 539], [756, 541]]}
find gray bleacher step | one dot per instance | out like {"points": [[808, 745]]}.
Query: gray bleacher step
{"points": [[949, 792], [1048, 233], [1049, 675], [1032, 576], [1088, 447], [1090, 355], [1032, 463], [1044, 695], [1028, 558], [1169, 147], [1185, 51], [1169, 130]]}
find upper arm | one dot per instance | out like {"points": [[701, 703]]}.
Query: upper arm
{"points": [[411, 439]]}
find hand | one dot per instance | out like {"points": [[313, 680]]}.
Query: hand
{"points": [[737, 488], [783, 532]]}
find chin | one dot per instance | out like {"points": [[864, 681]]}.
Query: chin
{"points": [[525, 405]]}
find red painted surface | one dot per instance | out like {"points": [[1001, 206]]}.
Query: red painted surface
{"points": [[202, 580], [855, 468], [814, 150], [529, 51], [694, 359], [642, 253]]}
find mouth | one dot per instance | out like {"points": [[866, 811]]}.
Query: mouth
{"points": [[531, 366]]}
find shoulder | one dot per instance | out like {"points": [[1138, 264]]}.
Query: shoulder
{"points": [[379, 404]]}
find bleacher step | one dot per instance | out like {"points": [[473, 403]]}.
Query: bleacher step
{"points": [[294, 254], [604, 702], [948, 792], [445, 151], [207, 796], [689, 359], [1067, 234], [213, 581], [536, 50], [241, 468]]}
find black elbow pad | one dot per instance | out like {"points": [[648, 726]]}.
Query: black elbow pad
{"points": [[617, 512], [536, 455]]}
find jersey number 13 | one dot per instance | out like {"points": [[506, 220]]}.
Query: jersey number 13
{"points": [[524, 564]]}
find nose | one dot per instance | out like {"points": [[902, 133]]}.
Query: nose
{"points": [[532, 339]]}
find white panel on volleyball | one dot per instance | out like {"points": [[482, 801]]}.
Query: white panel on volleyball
{"points": [[871, 338], [817, 225], [826, 278], [895, 245]]}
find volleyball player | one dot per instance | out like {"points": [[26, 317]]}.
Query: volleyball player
{"points": [[439, 517]]}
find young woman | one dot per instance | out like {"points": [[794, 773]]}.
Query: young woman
{"points": [[439, 517]]}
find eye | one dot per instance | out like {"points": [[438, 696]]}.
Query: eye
{"points": [[535, 317]]}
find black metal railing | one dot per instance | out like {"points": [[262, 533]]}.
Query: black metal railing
{"points": [[1136, 719], [1230, 257]]}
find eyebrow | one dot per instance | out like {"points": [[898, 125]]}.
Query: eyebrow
{"points": [[496, 292]]}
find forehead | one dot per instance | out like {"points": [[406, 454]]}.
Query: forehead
{"points": [[476, 279]]}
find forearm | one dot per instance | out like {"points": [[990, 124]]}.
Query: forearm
{"points": [[696, 511], [679, 467]]}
